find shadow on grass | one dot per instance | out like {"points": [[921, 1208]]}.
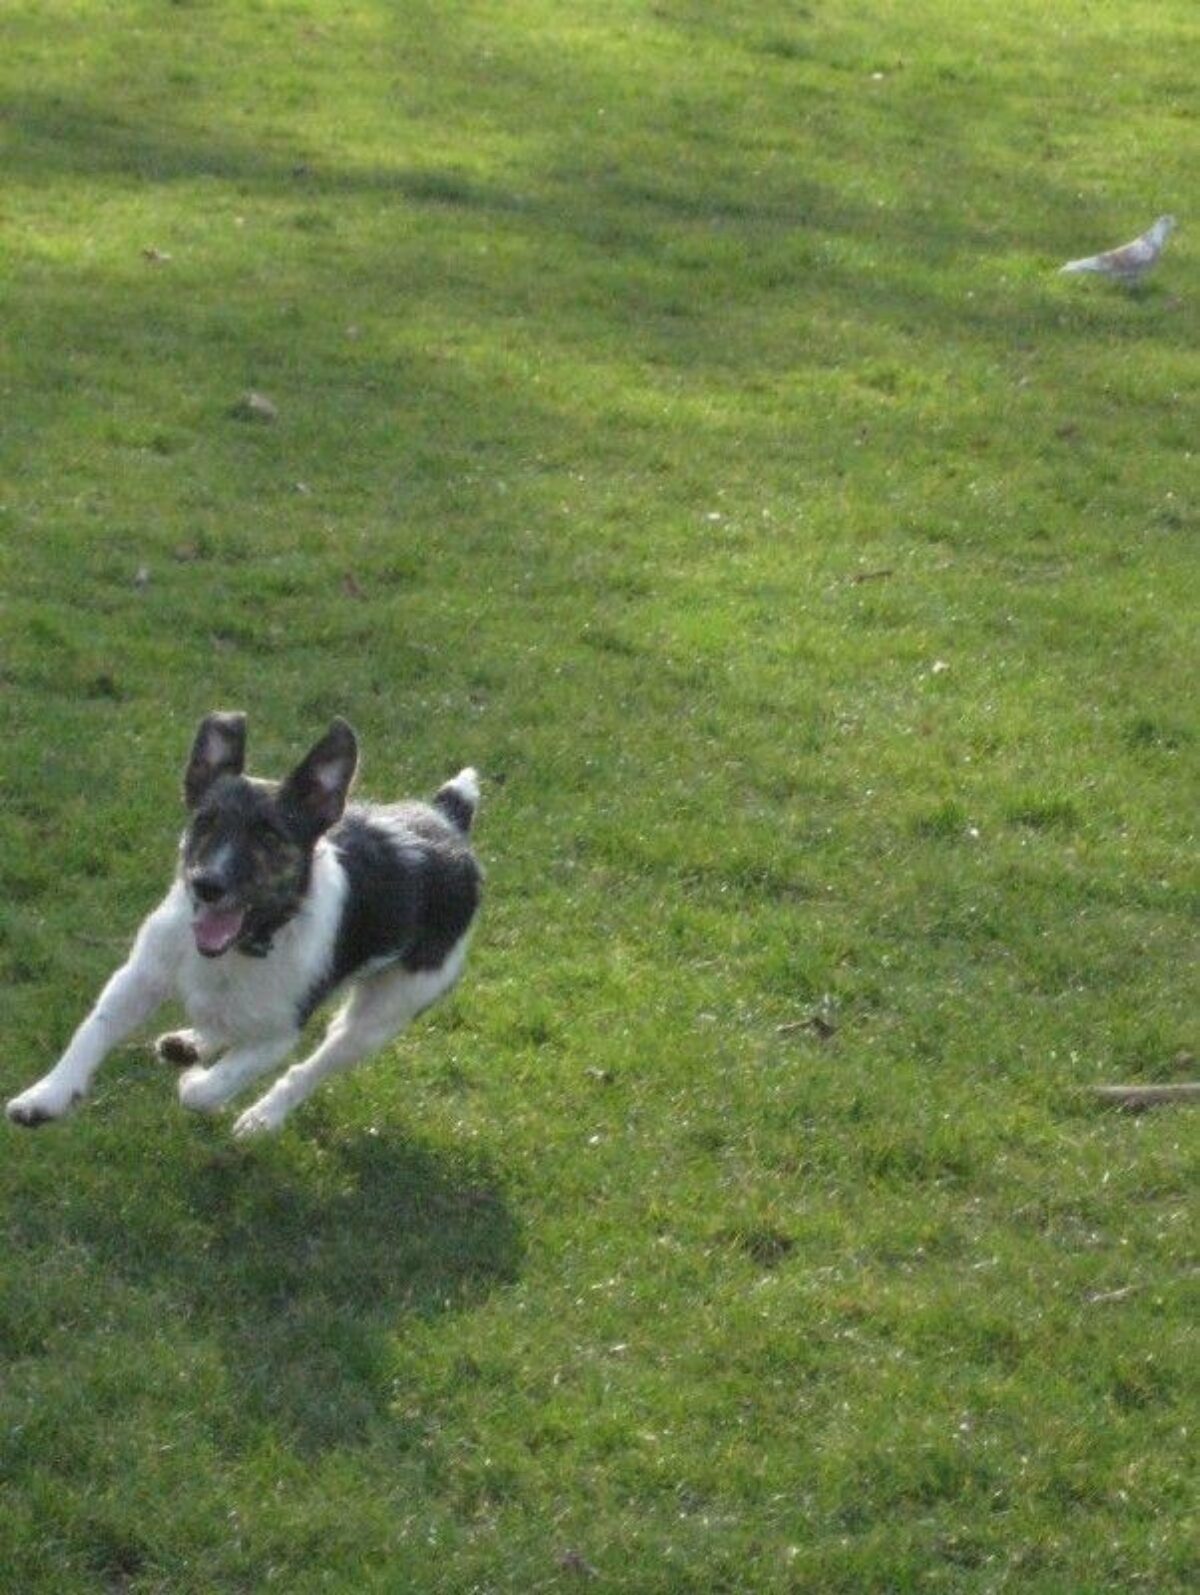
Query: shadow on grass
{"points": [[669, 248], [303, 1260], [76, 137]]}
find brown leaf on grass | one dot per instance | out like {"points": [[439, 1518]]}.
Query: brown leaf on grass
{"points": [[768, 1247], [573, 1562]]}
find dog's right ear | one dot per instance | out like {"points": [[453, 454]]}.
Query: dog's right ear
{"points": [[219, 749]]}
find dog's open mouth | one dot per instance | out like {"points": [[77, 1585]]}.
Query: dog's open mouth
{"points": [[216, 929]]}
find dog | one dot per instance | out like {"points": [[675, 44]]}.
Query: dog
{"points": [[284, 894]]}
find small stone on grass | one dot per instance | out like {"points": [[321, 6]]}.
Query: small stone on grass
{"points": [[254, 407]]}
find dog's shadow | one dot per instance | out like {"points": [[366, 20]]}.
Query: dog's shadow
{"points": [[309, 1260]]}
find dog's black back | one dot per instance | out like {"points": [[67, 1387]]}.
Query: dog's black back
{"points": [[413, 886]]}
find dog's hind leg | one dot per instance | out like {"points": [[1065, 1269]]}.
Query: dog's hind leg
{"points": [[207, 1090], [378, 1009]]}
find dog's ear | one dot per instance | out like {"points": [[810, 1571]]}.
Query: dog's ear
{"points": [[219, 749], [314, 795]]}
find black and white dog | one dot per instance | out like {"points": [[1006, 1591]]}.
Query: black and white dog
{"points": [[282, 895]]}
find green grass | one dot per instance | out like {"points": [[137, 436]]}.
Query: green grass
{"points": [[681, 419]]}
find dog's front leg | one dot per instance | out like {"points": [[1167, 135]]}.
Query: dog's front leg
{"points": [[127, 1001], [207, 1090], [375, 1011], [357, 1029]]}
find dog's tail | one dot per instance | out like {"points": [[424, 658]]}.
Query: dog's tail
{"points": [[459, 799]]}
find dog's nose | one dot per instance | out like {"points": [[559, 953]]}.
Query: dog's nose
{"points": [[207, 887]]}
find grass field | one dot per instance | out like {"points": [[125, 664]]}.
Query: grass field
{"points": [[680, 418]]}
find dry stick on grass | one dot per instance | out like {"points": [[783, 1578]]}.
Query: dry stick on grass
{"points": [[1137, 1097], [1101, 1298]]}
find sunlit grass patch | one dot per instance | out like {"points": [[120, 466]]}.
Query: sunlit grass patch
{"points": [[675, 412]]}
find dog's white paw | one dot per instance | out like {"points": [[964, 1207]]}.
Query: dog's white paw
{"points": [[200, 1091], [262, 1118], [42, 1103]]}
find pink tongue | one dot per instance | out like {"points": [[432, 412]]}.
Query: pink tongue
{"points": [[216, 929]]}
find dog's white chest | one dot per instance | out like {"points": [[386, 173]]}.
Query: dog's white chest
{"points": [[236, 997]]}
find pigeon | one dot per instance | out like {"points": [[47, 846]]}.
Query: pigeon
{"points": [[1130, 262]]}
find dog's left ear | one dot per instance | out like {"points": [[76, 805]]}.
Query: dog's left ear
{"points": [[219, 749], [315, 792]]}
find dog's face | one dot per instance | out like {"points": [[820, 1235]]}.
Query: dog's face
{"points": [[246, 854]]}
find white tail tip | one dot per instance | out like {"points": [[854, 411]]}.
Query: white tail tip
{"points": [[466, 783], [458, 799]]}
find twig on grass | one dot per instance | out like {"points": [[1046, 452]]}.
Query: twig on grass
{"points": [[820, 1026], [1137, 1097], [1101, 1298]]}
